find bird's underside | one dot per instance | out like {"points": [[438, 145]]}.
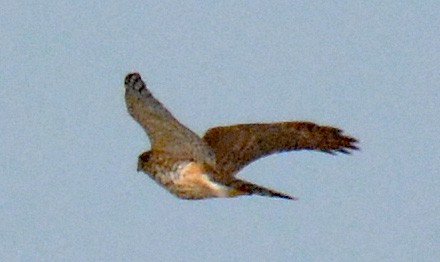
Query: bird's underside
{"points": [[192, 167]]}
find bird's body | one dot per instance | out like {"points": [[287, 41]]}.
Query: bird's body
{"points": [[192, 167], [184, 178]]}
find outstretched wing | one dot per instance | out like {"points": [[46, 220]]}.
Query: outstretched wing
{"points": [[165, 132], [237, 146]]}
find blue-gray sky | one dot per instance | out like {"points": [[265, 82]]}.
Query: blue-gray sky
{"points": [[69, 189]]}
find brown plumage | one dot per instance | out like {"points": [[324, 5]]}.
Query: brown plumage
{"points": [[195, 168]]}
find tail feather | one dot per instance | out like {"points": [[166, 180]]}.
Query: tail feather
{"points": [[247, 188]]}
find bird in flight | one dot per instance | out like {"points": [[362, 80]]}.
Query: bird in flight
{"points": [[194, 167]]}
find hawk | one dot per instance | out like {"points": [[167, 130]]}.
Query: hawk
{"points": [[193, 167]]}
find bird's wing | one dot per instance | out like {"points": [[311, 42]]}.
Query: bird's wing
{"points": [[165, 132], [238, 145]]}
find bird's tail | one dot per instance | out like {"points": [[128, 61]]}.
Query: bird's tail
{"points": [[241, 187]]}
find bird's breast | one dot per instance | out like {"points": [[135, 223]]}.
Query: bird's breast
{"points": [[191, 180]]}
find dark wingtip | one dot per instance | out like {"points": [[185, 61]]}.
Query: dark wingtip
{"points": [[328, 151], [130, 76], [346, 149], [355, 148], [351, 147]]}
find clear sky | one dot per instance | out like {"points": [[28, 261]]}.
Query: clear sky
{"points": [[69, 190]]}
